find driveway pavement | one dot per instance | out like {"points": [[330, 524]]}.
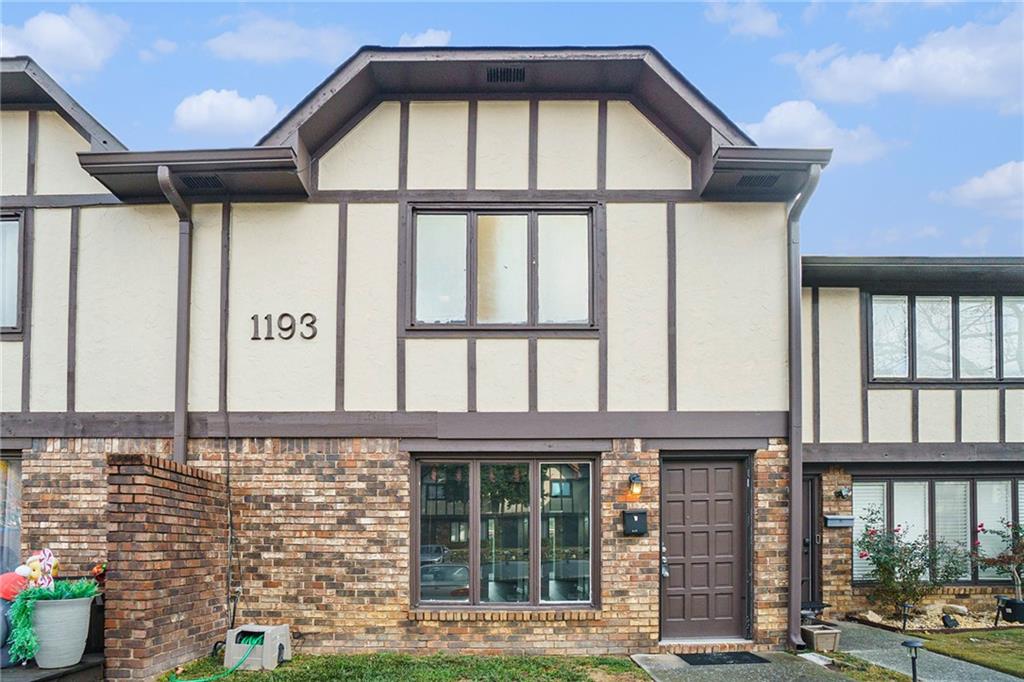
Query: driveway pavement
{"points": [[883, 648]]}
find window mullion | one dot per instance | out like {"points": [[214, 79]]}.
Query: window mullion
{"points": [[535, 532], [956, 338], [972, 493], [471, 266], [533, 296], [911, 337], [998, 303], [474, 532]]}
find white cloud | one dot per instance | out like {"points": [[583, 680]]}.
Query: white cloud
{"points": [[69, 45], [159, 46], [998, 191], [871, 15], [747, 18], [800, 123], [432, 37], [260, 38], [978, 240], [976, 62], [224, 112]]}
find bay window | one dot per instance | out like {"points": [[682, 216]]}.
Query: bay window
{"points": [[502, 268], [942, 510], [935, 338], [528, 538]]}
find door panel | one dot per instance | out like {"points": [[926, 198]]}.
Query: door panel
{"points": [[703, 549], [810, 586]]}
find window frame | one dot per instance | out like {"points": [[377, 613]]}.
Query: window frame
{"points": [[14, 333], [532, 212], [972, 495], [534, 461], [912, 378]]}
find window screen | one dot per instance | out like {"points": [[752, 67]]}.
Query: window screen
{"points": [[993, 510], [867, 496]]}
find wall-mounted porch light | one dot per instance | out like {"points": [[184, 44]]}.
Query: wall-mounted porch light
{"points": [[636, 486]]}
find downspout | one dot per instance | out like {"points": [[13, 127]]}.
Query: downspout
{"points": [[184, 211], [795, 433]]}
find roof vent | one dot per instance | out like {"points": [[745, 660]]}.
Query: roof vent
{"points": [[506, 74], [202, 182], [759, 181]]}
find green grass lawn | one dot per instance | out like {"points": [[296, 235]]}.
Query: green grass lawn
{"points": [[1001, 650], [862, 671], [432, 668]]}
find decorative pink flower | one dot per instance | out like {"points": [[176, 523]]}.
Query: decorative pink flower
{"points": [[977, 543], [872, 532], [981, 526], [863, 554]]}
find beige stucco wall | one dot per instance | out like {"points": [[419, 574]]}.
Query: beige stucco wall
{"points": [[839, 361], [637, 307], [936, 416], [284, 259], [731, 315], [502, 375], [57, 167], [367, 156], [567, 145], [438, 144], [436, 375], [10, 375], [204, 315], [127, 281], [889, 416], [979, 416], [640, 156], [807, 365], [502, 145], [51, 256], [13, 152], [371, 286], [1015, 416], [567, 375]]}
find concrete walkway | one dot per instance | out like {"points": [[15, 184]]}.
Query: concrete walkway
{"points": [[783, 668], [883, 648]]}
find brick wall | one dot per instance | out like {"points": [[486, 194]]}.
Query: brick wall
{"points": [[771, 543], [167, 558]]}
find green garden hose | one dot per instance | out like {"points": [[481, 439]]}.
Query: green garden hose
{"points": [[252, 640]]}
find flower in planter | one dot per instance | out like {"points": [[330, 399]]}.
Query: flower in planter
{"points": [[863, 554]]}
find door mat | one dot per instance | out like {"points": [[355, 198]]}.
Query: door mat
{"points": [[725, 658]]}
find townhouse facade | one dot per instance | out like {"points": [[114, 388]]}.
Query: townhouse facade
{"points": [[494, 350]]}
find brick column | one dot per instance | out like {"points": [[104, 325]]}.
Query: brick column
{"points": [[167, 564], [836, 544], [771, 543]]}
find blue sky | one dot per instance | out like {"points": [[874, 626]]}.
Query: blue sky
{"points": [[922, 102]]}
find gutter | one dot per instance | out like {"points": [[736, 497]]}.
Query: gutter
{"points": [[795, 433], [184, 211]]}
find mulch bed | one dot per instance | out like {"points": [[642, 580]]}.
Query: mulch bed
{"points": [[937, 631]]}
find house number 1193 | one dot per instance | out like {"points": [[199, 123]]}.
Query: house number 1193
{"points": [[286, 326]]}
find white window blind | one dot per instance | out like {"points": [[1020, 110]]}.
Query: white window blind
{"points": [[866, 496], [953, 515], [993, 509]]}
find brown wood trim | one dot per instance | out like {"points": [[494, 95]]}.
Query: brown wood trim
{"points": [[600, 274], [9, 444], [527, 445], [926, 454], [532, 148], [915, 415], [532, 373], [1002, 415], [720, 444], [73, 308], [13, 201], [471, 146], [865, 360], [488, 426], [225, 296], [602, 143], [405, 276], [959, 418], [509, 196], [27, 251], [339, 346], [33, 151], [673, 373], [816, 364], [403, 145], [471, 375]]}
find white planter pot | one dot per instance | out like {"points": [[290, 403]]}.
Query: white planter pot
{"points": [[61, 626]]}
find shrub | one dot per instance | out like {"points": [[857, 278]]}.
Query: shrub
{"points": [[1011, 560], [905, 569]]}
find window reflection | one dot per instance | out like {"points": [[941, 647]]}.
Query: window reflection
{"points": [[889, 331], [501, 247], [565, 532], [977, 337], [444, 530], [504, 533]]}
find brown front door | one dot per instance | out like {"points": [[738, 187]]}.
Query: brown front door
{"points": [[704, 593], [810, 589]]}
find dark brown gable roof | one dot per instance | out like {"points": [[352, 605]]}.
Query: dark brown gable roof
{"points": [[24, 85], [638, 72]]}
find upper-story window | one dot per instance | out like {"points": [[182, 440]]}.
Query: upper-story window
{"points": [[497, 269], [10, 273], [935, 338]]}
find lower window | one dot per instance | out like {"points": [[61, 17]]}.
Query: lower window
{"points": [[10, 513], [941, 510], [504, 532]]}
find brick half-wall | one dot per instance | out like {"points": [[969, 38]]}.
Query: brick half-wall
{"points": [[167, 552]]}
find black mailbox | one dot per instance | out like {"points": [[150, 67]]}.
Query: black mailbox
{"points": [[634, 523]]}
